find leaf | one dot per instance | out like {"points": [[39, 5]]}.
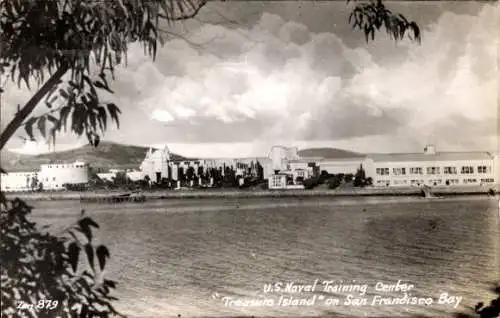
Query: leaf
{"points": [[90, 255], [73, 253], [113, 112], [103, 117], [97, 140], [29, 127], [63, 93], [89, 221], [110, 283], [63, 115], [100, 85], [102, 253], [41, 126], [84, 227]]}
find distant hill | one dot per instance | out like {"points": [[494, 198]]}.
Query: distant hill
{"points": [[328, 153], [107, 155]]}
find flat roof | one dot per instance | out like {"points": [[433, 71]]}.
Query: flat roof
{"points": [[325, 160], [439, 156]]}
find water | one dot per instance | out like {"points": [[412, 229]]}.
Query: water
{"points": [[182, 256]]}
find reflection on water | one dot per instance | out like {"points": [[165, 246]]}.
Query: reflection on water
{"points": [[171, 257]]}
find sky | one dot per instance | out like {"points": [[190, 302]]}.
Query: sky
{"points": [[243, 76]]}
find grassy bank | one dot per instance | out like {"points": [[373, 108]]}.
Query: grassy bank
{"points": [[236, 193]]}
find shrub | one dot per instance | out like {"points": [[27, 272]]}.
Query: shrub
{"points": [[348, 177], [310, 183], [41, 269]]}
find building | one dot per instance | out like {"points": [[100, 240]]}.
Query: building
{"points": [[278, 181], [432, 168], [285, 168], [54, 176], [19, 181], [281, 156], [158, 165]]}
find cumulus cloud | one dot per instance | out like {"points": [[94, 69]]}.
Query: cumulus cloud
{"points": [[309, 86], [278, 81]]}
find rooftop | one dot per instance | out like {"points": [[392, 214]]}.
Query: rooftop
{"points": [[439, 156]]}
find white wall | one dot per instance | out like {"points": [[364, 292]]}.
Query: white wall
{"points": [[54, 176], [432, 179], [17, 181], [342, 166]]}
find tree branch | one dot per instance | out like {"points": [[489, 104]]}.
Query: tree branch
{"points": [[21, 115]]}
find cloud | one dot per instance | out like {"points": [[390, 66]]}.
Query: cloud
{"points": [[276, 80], [311, 86]]}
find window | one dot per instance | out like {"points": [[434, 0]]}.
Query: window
{"points": [[399, 171], [467, 170], [276, 181], [488, 180], [450, 170], [483, 169], [400, 182], [53, 178], [467, 181], [382, 171], [452, 181], [417, 170], [433, 170]]}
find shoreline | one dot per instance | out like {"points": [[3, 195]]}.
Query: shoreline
{"points": [[237, 193]]}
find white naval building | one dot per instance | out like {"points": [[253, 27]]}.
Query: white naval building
{"points": [[51, 176], [285, 167], [433, 168]]}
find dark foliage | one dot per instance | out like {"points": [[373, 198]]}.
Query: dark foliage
{"points": [[44, 270], [372, 16], [490, 311], [348, 177], [360, 179], [76, 44], [335, 180], [310, 183]]}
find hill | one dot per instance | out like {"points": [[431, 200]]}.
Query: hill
{"points": [[328, 153], [107, 155]]}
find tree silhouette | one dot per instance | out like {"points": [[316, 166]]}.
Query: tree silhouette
{"points": [[360, 177], [190, 173], [58, 46]]}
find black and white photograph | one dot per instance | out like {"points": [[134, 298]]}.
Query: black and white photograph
{"points": [[241, 158]]}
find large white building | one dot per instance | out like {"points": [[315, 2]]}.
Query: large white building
{"points": [[19, 181], [159, 165], [54, 176], [285, 168], [432, 168], [51, 176]]}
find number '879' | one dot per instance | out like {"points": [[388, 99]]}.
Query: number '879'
{"points": [[47, 304]]}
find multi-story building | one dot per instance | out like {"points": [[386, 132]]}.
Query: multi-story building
{"points": [[432, 168], [54, 176], [284, 167], [158, 165]]}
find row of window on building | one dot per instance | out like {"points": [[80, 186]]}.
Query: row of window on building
{"points": [[435, 182], [432, 170], [77, 165]]}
